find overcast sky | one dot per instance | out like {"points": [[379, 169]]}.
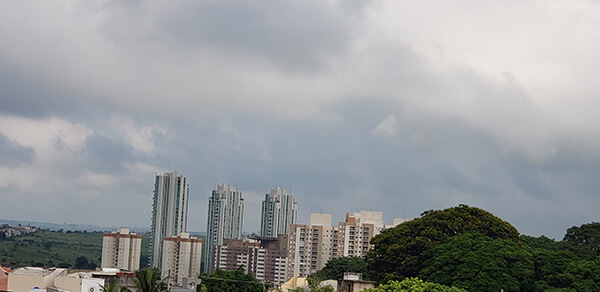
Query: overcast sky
{"points": [[397, 106]]}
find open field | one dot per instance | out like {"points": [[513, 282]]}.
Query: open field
{"points": [[60, 249]]}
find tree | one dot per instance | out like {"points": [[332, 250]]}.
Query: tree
{"points": [[398, 251], [414, 285], [476, 262], [236, 280], [335, 268], [584, 240], [81, 263], [148, 280], [112, 286]]}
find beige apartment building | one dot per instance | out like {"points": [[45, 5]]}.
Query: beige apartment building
{"points": [[181, 258], [263, 257], [355, 233], [121, 250], [311, 246]]}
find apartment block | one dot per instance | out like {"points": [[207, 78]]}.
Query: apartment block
{"points": [[181, 258], [355, 233], [121, 250], [263, 257], [311, 246]]}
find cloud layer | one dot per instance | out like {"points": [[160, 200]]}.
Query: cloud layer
{"points": [[385, 105]]}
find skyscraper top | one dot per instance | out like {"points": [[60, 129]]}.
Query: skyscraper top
{"points": [[279, 210]]}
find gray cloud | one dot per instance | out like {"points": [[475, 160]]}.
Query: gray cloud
{"points": [[384, 105], [12, 154]]}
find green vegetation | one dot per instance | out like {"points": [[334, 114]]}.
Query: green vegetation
{"points": [[416, 285], [398, 251], [225, 281], [148, 280], [471, 249], [82, 250], [335, 268]]}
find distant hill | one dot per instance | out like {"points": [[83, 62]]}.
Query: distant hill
{"points": [[69, 226], [79, 249]]}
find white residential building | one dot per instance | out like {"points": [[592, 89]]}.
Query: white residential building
{"points": [[121, 250], [169, 212]]}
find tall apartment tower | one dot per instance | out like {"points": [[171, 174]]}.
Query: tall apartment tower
{"points": [[169, 212], [279, 210], [121, 250], [225, 219], [181, 258]]}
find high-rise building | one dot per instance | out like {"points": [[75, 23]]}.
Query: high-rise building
{"points": [[279, 210], [181, 258], [169, 212], [225, 219], [121, 250]]}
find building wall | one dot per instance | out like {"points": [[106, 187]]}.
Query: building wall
{"points": [[4, 278], [169, 211], [225, 219], [25, 279], [69, 284]]}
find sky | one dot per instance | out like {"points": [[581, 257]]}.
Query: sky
{"points": [[395, 106]]}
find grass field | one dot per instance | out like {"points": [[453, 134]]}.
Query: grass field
{"points": [[58, 249]]}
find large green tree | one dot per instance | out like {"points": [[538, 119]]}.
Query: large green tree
{"points": [[236, 280], [398, 251], [584, 241], [476, 262]]}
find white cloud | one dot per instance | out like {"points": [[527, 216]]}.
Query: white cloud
{"points": [[388, 127], [140, 138]]}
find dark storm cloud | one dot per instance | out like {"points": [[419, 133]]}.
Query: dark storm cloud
{"points": [[12, 154]]}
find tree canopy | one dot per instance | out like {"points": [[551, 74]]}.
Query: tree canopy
{"points": [[414, 285], [148, 280], [476, 262], [469, 248], [335, 268], [398, 252]]}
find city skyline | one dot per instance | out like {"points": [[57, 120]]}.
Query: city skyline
{"points": [[395, 106]]}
